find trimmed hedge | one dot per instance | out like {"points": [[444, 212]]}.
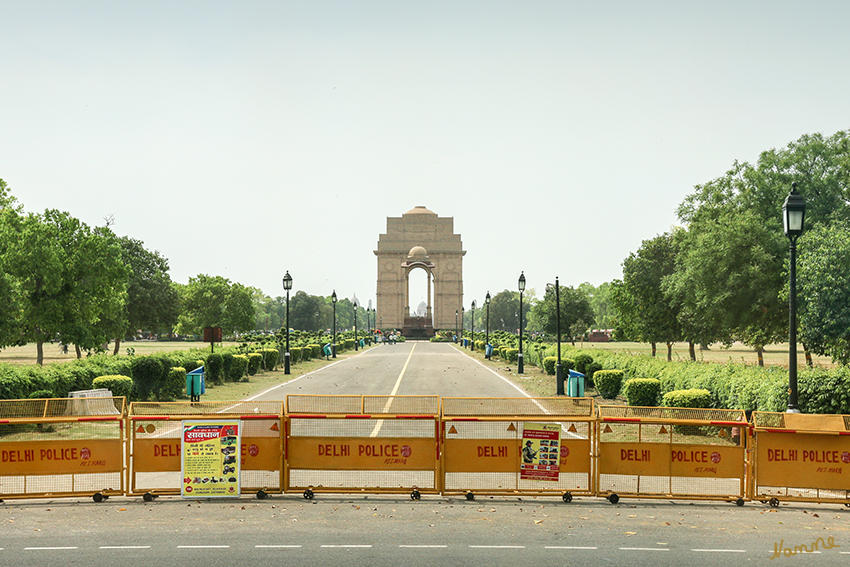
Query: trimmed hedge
{"points": [[296, 354], [213, 368], [255, 360], [549, 365], [238, 366], [693, 398], [608, 382], [269, 358], [642, 391], [511, 354], [149, 373], [176, 382], [119, 385]]}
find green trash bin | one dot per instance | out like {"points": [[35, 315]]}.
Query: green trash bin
{"points": [[575, 384]]}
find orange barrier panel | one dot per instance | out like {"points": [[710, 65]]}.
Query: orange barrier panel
{"points": [[517, 446], [801, 457], [155, 431], [651, 452], [362, 444], [62, 447]]}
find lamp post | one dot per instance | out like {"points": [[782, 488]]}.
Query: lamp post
{"points": [[356, 305], [472, 327], [287, 285], [487, 333], [461, 326], [455, 325], [559, 370], [333, 344], [521, 289], [369, 321], [794, 213]]}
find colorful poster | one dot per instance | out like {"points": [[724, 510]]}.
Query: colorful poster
{"points": [[210, 459], [540, 457]]}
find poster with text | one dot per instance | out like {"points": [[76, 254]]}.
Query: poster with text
{"points": [[210, 458], [540, 457]]}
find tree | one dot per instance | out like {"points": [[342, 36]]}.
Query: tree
{"points": [[504, 310], [152, 300], [644, 312], [823, 291], [600, 302], [213, 301], [306, 312], [70, 278], [576, 314]]}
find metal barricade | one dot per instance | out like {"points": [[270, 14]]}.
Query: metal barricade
{"points": [[153, 453], [801, 457], [650, 452], [62, 447], [374, 444], [507, 446]]}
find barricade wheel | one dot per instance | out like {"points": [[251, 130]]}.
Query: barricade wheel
{"points": [[415, 495], [739, 502], [98, 497], [308, 494], [470, 496], [261, 495], [846, 504], [774, 502], [148, 497], [567, 497], [613, 498]]}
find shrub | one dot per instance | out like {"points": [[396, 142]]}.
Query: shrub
{"points": [[40, 394], [117, 384], [590, 370], [315, 350], [255, 360], [549, 364], [642, 391], [567, 364], [175, 383], [581, 362], [213, 368], [608, 382], [148, 375], [296, 354], [306, 353], [238, 366], [269, 358], [693, 398], [227, 366], [511, 354], [349, 344]]}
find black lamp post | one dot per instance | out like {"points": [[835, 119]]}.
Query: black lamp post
{"points": [[487, 333], [455, 325], [472, 326], [521, 289], [461, 326], [333, 344], [369, 321], [794, 213], [559, 370], [287, 285], [356, 305]]}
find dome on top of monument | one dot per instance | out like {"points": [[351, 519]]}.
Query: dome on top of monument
{"points": [[417, 253], [420, 210]]}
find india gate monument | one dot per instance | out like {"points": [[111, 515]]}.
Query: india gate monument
{"points": [[419, 239]]}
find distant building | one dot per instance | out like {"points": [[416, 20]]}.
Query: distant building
{"points": [[600, 335]]}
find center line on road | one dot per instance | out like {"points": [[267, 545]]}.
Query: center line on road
{"points": [[644, 549], [567, 547], [389, 403], [125, 547], [346, 546], [203, 546], [497, 547], [423, 546], [276, 546], [720, 550], [48, 548]]}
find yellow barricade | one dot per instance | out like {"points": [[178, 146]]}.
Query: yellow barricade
{"points": [[517, 446], [650, 452], [801, 457], [62, 447], [155, 431], [362, 444]]}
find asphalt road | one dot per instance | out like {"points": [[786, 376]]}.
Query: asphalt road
{"points": [[395, 531]]}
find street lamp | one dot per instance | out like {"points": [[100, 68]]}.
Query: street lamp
{"points": [[559, 370], [487, 334], [461, 326], [521, 289], [333, 344], [794, 213], [472, 326], [356, 305], [455, 325], [287, 285], [369, 321]]}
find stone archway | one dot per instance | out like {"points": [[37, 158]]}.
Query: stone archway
{"points": [[419, 239]]}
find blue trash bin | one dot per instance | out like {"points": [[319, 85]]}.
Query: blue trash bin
{"points": [[488, 350]]}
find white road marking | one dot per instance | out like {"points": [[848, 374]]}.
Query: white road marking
{"points": [[496, 546], [720, 550], [275, 546], [48, 548], [203, 547], [346, 546], [125, 547], [389, 403], [424, 546], [567, 547], [644, 549]]}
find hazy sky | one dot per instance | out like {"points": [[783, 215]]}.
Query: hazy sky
{"points": [[244, 139]]}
